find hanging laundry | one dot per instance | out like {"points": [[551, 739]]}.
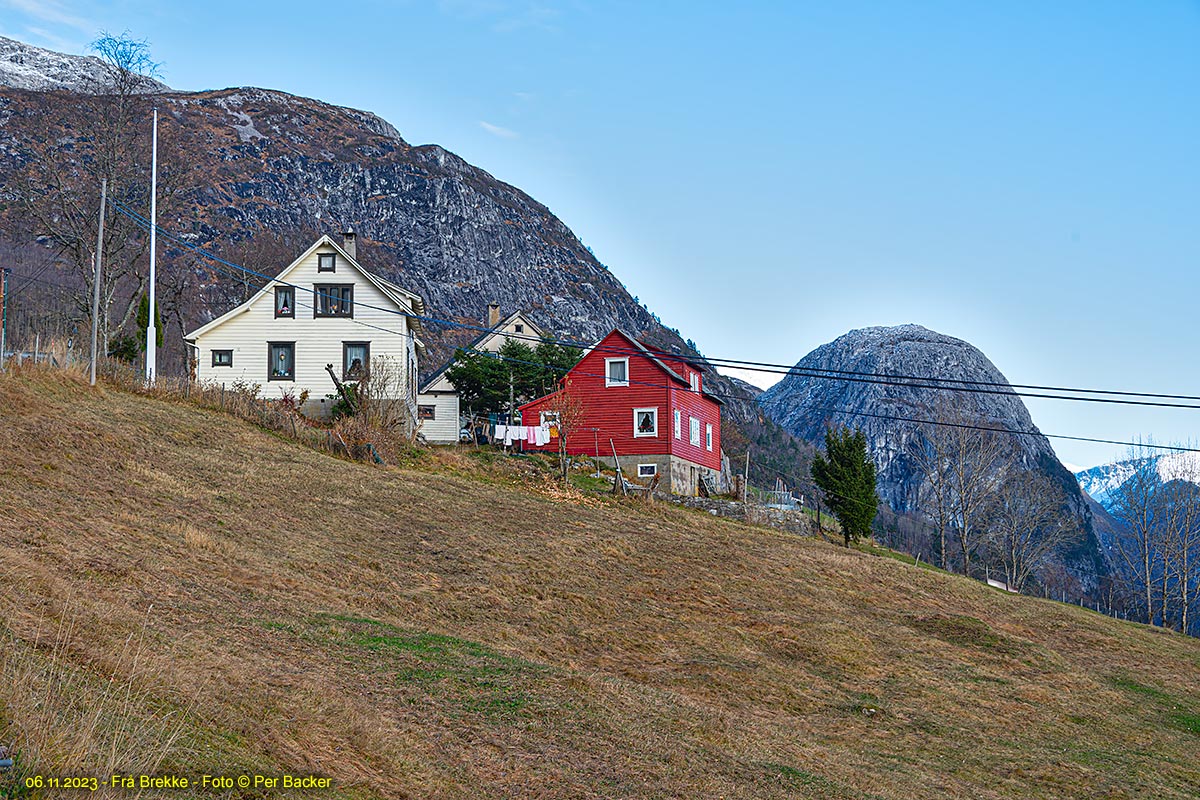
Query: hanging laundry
{"points": [[530, 435]]}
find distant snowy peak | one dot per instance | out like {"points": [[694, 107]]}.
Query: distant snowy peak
{"points": [[23, 66], [1104, 481]]}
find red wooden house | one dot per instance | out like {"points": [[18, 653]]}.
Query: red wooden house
{"points": [[648, 405]]}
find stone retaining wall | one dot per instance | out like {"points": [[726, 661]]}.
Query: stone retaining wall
{"points": [[783, 519]]}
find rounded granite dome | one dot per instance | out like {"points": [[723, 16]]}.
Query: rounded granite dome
{"points": [[885, 381]]}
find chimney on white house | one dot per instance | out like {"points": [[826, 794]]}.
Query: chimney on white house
{"points": [[349, 239], [493, 318]]}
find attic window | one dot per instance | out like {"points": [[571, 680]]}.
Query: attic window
{"points": [[222, 358], [645, 422], [616, 372], [285, 301], [327, 262], [519, 328], [334, 300], [694, 380]]}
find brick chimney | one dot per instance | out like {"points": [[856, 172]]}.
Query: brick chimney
{"points": [[493, 317], [349, 239]]}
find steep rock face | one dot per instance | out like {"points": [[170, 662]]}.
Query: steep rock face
{"points": [[805, 406], [260, 160], [23, 66]]}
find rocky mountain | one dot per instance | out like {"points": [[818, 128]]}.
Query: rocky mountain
{"points": [[23, 66], [831, 386], [1102, 482], [248, 164]]}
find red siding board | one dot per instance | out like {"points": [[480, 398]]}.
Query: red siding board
{"points": [[610, 408]]}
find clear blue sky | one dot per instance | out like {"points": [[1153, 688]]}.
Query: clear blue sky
{"points": [[767, 176]]}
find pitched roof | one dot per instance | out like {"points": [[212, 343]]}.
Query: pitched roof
{"points": [[480, 339], [405, 300], [657, 358]]}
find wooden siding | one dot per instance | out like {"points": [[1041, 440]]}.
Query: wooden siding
{"points": [[318, 341], [444, 427], [611, 408]]}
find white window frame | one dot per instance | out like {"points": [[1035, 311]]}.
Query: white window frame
{"points": [[647, 470], [639, 435], [694, 380], [694, 431], [708, 436], [608, 381], [678, 424]]}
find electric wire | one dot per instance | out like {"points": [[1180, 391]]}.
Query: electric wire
{"points": [[851, 376], [633, 351]]}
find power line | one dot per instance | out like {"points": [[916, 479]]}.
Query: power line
{"points": [[936, 423], [852, 376], [631, 351]]}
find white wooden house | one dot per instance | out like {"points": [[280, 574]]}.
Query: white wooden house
{"points": [[437, 404], [323, 308]]}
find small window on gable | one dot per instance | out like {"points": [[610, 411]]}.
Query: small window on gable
{"points": [[285, 301], [708, 437], [616, 372], [356, 359], [222, 358], [694, 431], [694, 379], [326, 262], [647, 470], [678, 424], [426, 412], [645, 422], [519, 328]]}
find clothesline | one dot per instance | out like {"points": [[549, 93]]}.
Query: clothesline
{"points": [[537, 435]]}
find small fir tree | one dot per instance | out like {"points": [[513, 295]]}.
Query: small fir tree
{"points": [[845, 474]]}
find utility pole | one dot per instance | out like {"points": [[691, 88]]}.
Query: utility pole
{"points": [[151, 328], [4, 273], [746, 478], [96, 277]]}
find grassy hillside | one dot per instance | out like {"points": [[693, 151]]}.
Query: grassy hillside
{"points": [[183, 593]]}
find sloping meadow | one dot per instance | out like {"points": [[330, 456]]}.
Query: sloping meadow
{"points": [[185, 594]]}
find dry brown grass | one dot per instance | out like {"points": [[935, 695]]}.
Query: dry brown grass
{"points": [[450, 633]]}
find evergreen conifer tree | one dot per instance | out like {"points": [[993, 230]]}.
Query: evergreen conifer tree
{"points": [[845, 473]]}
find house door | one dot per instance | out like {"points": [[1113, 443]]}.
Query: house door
{"points": [[692, 481]]}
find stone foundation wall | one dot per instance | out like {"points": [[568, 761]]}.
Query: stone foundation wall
{"points": [[796, 521]]}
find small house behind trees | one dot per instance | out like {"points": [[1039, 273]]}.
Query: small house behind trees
{"points": [[439, 407]]}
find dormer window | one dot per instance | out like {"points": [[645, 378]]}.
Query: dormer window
{"points": [[334, 300], [285, 301], [616, 372], [694, 379], [326, 262]]}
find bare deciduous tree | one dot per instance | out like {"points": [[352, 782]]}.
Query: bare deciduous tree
{"points": [[100, 136], [1026, 523], [1135, 505], [961, 462], [566, 411]]}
